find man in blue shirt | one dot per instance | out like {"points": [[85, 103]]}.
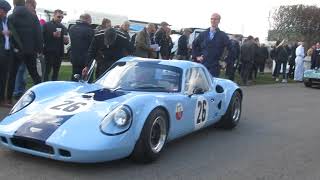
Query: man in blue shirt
{"points": [[4, 48], [9, 44], [209, 46]]}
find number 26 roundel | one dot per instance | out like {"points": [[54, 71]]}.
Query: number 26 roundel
{"points": [[201, 112], [68, 107]]}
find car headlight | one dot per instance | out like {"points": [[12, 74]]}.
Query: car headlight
{"points": [[23, 102], [118, 121]]}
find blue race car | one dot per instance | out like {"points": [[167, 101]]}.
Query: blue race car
{"points": [[311, 77], [134, 109]]}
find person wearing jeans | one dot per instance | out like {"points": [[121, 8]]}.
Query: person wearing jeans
{"points": [[282, 58], [282, 64], [28, 30], [21, 81]]}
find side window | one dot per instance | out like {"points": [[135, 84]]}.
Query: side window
{"points": [[196, 78]]}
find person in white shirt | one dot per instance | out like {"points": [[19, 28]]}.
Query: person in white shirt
{"points": [[298, 73]]}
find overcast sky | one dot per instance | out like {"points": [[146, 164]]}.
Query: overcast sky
{"points": [[249, 17]]}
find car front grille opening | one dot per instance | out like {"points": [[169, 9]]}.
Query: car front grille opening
{"points": [[32, 145], [4, 140], [64, 153]]}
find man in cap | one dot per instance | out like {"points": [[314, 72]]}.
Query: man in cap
{"points": [[9, 42], [183, 45]]}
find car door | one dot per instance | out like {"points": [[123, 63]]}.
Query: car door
{"points": [[201, 97]]}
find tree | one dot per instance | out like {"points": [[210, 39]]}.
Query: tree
{"points": [[296, 23]]}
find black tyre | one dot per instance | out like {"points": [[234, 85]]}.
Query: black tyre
{"points": [[232, 117], [308, 83], [152, 138]]}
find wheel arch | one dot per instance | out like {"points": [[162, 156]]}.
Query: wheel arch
{"points": [[142, 107], [139, 126], [229, 88], [240, 92], [167, 113]]}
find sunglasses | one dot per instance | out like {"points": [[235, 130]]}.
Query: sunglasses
{"points": [[60, 17]]}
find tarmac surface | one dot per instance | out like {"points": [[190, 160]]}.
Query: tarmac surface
{"points": [[278, 138]]}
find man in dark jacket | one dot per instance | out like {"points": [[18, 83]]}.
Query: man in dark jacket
{"points": [[233, 63], [28, 29], [106, 24], [281, 58], [111, 43], [125, 28], [81, 35], [21, 78], [54, 35], [183, 42], [262, 56], [315, 58], [9, 43], [209, 46], [248, 53], [292, 60], [161, 38]]}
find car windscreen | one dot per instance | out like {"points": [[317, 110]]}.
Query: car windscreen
{"points": [[142, 76]]}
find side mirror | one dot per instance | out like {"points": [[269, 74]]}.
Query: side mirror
{"points": [[198, 91], [77, 77]]}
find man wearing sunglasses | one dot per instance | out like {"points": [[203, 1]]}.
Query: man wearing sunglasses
{"points": [[55, 37]]}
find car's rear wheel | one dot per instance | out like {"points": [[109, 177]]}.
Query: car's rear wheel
{"points": [[233, 114], [152, 138], [308, 82]]}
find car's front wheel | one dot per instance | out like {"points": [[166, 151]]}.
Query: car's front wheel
{"points": [[152, 138], [233, 114]]}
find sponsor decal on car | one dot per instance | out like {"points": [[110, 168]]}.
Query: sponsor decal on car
{"points": [[179, 111]]}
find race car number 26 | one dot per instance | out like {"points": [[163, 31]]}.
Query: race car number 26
{"points": [[69, 106], [202, 106], [201, 112]]}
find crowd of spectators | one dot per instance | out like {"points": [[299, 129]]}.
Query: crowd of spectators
{"points": [[24, 39]]}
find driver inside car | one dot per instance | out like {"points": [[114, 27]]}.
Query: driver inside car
{"points": [[139, 76]]}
